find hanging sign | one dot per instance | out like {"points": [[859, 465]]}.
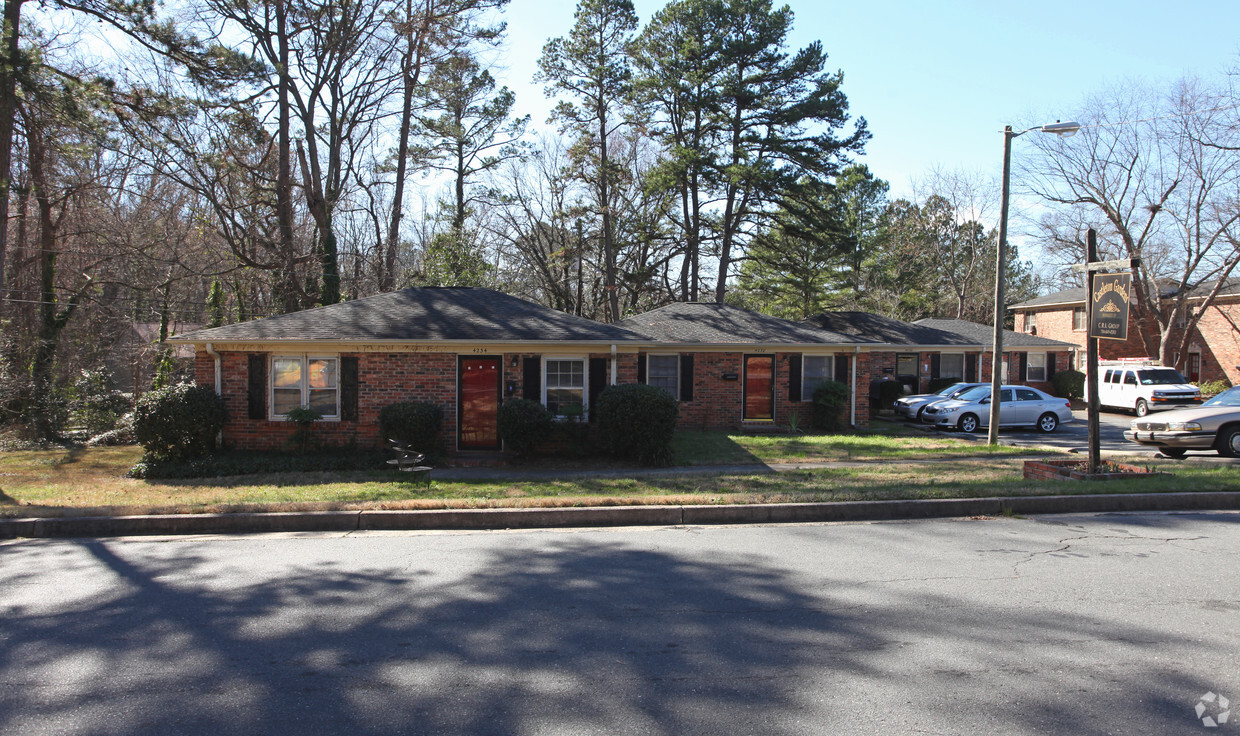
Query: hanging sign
{"points": [[1111, 295]]}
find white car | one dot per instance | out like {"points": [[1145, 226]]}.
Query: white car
{"points": [[1019, 406], [912, 407], [1143, 388]]}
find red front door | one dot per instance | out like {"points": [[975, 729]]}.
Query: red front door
{"points": [[759, 387], [479, 404]]}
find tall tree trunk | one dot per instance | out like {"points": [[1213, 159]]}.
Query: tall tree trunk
{"points": [[604, 192], [284, 173], [8, 112]]}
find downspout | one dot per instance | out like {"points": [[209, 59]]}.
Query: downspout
{"points": [[216, 357], [219, 436], [613, 365], [852, 412]]}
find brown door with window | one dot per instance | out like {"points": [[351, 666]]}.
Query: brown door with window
{"points": [[478, 404], [759, 387], [1194, 367]]}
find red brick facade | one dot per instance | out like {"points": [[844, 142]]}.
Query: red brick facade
{"points": [[1213, 348]]}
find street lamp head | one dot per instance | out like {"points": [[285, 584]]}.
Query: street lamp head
{"points": [[1064, 129]]}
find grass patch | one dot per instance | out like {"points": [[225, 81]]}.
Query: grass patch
{"points": [[721, 448], [91, 481]]}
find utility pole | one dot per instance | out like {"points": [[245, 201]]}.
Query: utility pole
{"points": [[1091, 356]]}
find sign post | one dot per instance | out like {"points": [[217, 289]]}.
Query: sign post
{"points": [[1107, 304]]}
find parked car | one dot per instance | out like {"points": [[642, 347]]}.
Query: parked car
{"points": [[912, 407], [1143, 387], [1019, 405], [1215, 425]]}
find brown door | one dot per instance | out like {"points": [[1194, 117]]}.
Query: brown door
{"points": [[479, 404], [759, 387], [1194, 367]]}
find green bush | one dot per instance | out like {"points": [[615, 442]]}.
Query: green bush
{"points": [[1211, 388], [178, 422], [830, 398], [1068, 384], [96, 405], [637, 421], [414, 423], [524, 425], [250, 462]]}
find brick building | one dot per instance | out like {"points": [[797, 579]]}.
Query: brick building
{"points": [[1213, 351], [469, 349]]}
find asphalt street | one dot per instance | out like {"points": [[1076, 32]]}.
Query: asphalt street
{"points": [[1090, 624]]}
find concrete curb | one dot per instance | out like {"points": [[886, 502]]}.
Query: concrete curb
{"points": [[601, 516]]}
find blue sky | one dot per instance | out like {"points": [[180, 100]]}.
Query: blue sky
{"points": [[937, 81]]}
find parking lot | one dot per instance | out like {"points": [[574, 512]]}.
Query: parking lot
{"points": [[1074, 436]]}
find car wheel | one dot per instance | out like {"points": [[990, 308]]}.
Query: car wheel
{"points": [[1048, 422], [1142, 408], [968, 423], [1229, 442], [1171, 451]]}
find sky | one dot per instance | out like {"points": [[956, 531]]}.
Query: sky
{"points": [[937, 80]]}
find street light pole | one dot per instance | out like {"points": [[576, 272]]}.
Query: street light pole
{"points": [[996, 357]]}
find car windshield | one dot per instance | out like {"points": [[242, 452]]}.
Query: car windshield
{"points": [[1160, 377], [950, 390], [1230, 397], [974, 394]]}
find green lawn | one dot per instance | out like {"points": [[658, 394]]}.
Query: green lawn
{"points": [[61, 482]]}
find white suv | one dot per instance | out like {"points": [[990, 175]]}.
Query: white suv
{"points": [[1144, 388]]}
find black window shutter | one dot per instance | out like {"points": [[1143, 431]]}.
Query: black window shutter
{"points": [[794, 378], [1050, 365], [686, 376], [934, 366], [598, 381], [1024, 366], [531, 374], [348, 388], [258, 386], [841, 368], [641, 367], [970, 367]]}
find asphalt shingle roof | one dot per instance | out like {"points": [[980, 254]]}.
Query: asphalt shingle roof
{"points": [[723, 324], [877, 328], [984, 334], [425, 313], [1076, 296]]}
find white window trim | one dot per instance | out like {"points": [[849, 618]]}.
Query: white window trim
{"points": [[676, 393], [830, 358], [964, 360], [585, 383], [1031, 320], [305, 359], [1084, 319]]}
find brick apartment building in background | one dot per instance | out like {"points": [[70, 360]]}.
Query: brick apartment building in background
{"points": [[1213, 349]]}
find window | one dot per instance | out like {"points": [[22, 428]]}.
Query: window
{"points": [[1031, 321], [814, 370], [1027, 394], [664, 371], [565, 386], [1130, 378], [1035, 367], [906, 365], [304, 381], [951, 365], [1078, 319]]}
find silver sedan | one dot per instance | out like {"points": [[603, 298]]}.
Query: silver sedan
{"points": [[1215, 425], [913, 407], [1018, 406]]}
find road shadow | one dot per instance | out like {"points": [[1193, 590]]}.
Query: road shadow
{"points": [[573, 638]]}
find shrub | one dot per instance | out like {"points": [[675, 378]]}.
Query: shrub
{"points": [[1068, 384], [304, 419], [414, 423], [178, 422], [122, 434], [637, 421], [524, 425], [830, 398], [96, 405], [1211, 388]]}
